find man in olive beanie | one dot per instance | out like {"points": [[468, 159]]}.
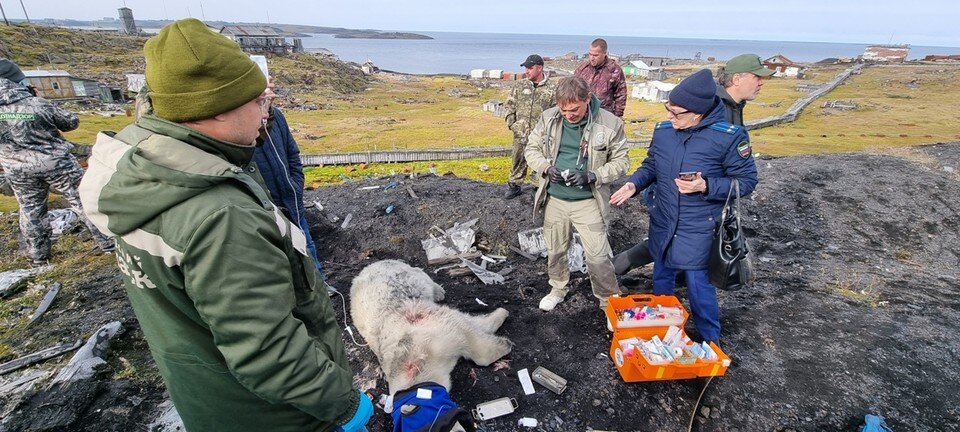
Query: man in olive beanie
{"points": [[235, 313]]}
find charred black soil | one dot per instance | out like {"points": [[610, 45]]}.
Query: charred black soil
{"points": [[854, 309]]}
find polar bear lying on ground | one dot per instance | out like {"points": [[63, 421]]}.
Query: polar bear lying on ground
{"points": [[415, 339]]}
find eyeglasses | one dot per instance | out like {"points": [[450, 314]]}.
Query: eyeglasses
{"points": [[675, 114], [264, 103]]}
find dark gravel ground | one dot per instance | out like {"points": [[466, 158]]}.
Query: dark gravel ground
{"points": [[854, 309]]}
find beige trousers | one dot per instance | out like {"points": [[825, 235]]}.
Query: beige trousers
{"points": [[558, 219]]}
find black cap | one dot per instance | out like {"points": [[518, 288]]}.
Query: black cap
{"points": [[532, 60]]}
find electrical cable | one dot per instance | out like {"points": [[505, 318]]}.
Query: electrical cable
{"points": [[346, 326], [697, 405]]}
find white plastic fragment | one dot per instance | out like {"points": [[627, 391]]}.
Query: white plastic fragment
{"points": [[528, 422], [525, 381]]}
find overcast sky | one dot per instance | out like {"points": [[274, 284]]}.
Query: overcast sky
{"points": [[918, 22]]}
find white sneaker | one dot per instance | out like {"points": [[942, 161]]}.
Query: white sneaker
{"points": [[550, 301]]}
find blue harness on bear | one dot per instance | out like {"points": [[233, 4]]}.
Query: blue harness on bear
{"points": [[427, 407]]}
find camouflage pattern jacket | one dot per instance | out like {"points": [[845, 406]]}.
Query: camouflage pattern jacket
{"points": [[30, 138], [608, 83], [525, 104]]}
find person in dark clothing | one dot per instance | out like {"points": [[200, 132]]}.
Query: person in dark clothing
{"points": [[686, 210], [605, 78], [36, 158], [740, 81], [278, 157]]}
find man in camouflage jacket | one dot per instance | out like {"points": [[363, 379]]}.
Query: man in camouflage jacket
{"points": [[605, 78], [528, 99], [36, 158]]}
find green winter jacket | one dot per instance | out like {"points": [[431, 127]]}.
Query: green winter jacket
{"points": [[232, 307]]}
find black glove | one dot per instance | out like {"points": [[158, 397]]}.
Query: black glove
{"points": [[581, 178], [554, 174]]}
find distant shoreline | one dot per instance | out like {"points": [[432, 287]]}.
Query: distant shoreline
{"points": [[376, 34]]}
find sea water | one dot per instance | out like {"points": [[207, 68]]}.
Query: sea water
{"points": [[458, 53]]}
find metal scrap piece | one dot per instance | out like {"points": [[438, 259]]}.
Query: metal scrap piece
{"points": [[45, 303], [488, 277], [91, 355]]}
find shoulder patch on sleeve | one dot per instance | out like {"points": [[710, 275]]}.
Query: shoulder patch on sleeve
{"points": [[744, 149], [725, 127], [663, 125]]}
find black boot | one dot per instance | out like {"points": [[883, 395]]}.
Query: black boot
{"points": [[637, 256], [513, 190]]}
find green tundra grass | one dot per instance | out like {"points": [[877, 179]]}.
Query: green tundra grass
{"points": [[897, 106]]}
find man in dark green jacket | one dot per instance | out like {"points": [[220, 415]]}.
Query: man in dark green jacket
{"points": [[231, 304]]}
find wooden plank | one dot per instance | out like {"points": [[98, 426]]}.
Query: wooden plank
{"points": [[522, 253], [38, 357]]}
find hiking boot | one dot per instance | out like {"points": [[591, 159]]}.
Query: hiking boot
{"points": [[550, 301], [513, 191]]}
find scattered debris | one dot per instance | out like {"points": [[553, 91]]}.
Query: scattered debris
{"points": [[532, 243], [505, 271], [451, 244], [346, 221], [484, 167], [412, 194], [524, 376], [522, 253], [495, 408], [38, 357], [480, 302], [24, 383], [168, 420], [391, 185], [527, 422], [91, 355], [45, 303], [488, 277], [840, 105], [368, 188], [473, 376], [318, 206], [62, 221], [550, 380], [13, 280], [389, 209], [501, 364]]}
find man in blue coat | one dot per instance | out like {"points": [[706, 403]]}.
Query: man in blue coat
{"points": [[691, 163], [278, 158]]}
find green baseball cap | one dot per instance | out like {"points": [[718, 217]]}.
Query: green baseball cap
{"points": [[747, 63]]}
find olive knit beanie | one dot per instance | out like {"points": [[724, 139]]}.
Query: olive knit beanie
{"points": [[194, 73], [696, 92]]}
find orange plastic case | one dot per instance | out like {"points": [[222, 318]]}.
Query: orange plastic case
{"points": [[636, 368]]}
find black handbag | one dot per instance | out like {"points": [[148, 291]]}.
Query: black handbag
{"points": [[729, 266]]}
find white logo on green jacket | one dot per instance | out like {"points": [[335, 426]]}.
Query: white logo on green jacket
{"points": [[131, 268]]}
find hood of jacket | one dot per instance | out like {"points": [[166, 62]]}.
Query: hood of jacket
{"points": [[11, 92], [153, 166]]}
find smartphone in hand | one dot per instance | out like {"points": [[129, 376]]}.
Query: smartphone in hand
{"points": [[688, 176]]}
